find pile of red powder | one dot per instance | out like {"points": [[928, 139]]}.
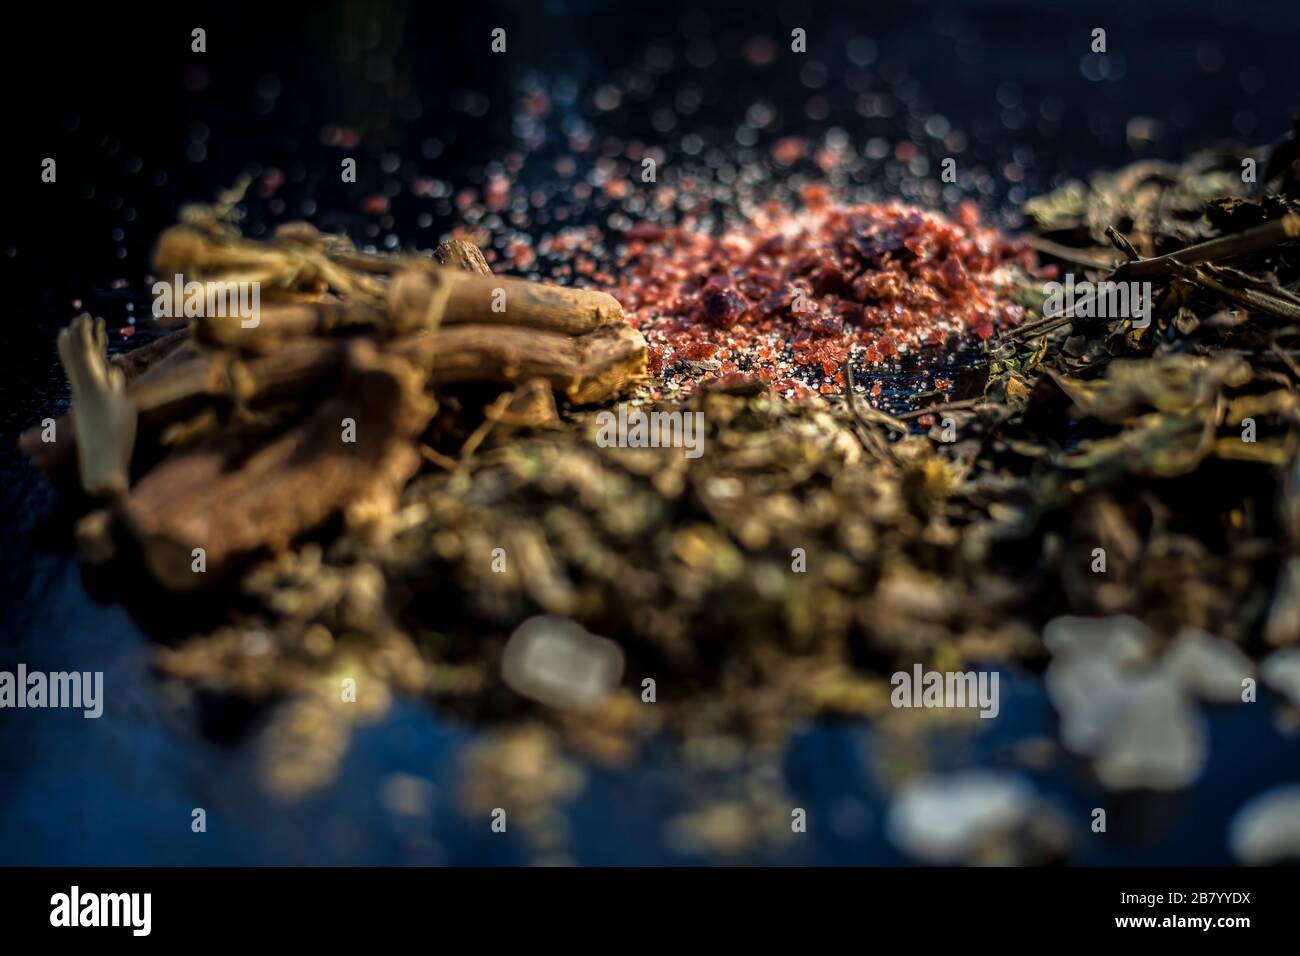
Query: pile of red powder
{"points": [[786, 298]]}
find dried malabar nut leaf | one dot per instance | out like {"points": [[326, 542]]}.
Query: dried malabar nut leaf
{"points": [[103, 415]]}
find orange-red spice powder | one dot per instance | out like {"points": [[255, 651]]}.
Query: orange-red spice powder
{"points": [[788, 296]]}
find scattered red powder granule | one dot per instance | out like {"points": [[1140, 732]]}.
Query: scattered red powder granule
{"points": [[787, 297], [788, 151], [375, 205]]}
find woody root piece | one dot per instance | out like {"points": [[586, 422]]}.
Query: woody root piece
{"points": [[257, 428], [321, 287], [585, 369], [313, 284], [215, 501], [183, 382]]}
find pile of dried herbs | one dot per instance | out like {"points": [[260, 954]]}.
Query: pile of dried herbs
{"points": [[1144, 477]]}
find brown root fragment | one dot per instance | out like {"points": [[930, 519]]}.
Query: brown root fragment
{"points": [[176, 388], [283, 322], [595, 367], [218, 500], [258, 426], [462, 255], [531, 405], [418, 300], [501, 300], [138, 361]]}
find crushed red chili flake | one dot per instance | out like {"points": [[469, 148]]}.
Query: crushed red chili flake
{"points": [[791, 293]]}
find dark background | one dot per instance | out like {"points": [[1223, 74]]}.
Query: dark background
{"points": [[139, 125]]}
